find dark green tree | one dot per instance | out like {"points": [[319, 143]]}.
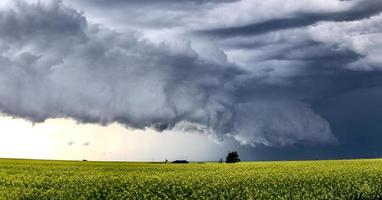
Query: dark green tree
{"points": [[232, 157]]}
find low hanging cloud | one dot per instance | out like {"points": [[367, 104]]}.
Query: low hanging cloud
{"points": [[56, 64]]}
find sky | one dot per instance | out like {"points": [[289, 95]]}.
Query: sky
{"points": [[151, 80]]}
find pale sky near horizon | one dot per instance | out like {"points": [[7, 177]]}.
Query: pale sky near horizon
{"points": [[64, 139]]}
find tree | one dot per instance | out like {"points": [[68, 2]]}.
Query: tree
{"points": [[232, 157]]}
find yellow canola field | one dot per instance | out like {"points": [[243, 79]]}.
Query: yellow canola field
{"points": [[341, 179]]}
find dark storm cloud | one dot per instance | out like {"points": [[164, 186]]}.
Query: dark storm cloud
{"points": [[55, 64], [277, 83], [150, 2], [303, 66], [148, 13], [331, 60], [362, 9]]}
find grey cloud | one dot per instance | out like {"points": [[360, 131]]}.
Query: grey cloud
{"points": [[150, 2], [317, 64], [363, 9], [295, 123], [361, 37], [150, 14], [55, 64], [322, 65], [19, 28]]}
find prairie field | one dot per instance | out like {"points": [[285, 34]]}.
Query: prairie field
{"points": [[341, 179]]}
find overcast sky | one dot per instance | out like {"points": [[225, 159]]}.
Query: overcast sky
{"points": [[156, 79]]}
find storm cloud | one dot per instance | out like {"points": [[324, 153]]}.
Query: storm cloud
{"points": [[257, 77], [360, 10]]}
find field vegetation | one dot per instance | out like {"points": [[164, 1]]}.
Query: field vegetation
{"points": [[345, 179]]}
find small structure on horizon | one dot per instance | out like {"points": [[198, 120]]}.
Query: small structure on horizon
{"points": [[180, 161]]}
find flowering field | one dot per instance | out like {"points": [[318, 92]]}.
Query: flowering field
{"points": [[346, 179]]}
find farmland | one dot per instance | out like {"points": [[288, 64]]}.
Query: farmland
{"points": [[345, 179]]}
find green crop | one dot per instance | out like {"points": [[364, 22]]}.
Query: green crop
{"points": [[345, 179]]}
